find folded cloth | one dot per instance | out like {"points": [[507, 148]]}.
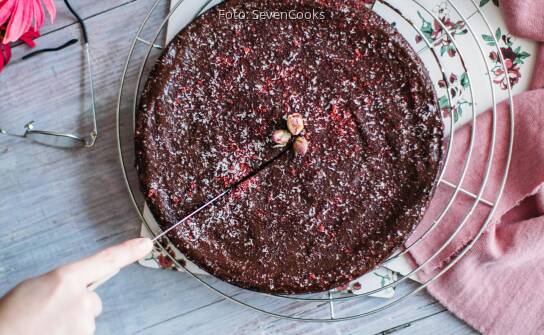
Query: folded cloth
{"points": [[498, 286], [526, 19]]}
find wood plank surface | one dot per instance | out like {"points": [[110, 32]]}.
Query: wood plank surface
{"points": [[57, 206]]}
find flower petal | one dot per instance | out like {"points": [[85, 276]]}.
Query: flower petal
{"points": [[28, 18], [1, 59], [20, 22], [6, 9], [38, 15], [51, 9], [29, 37], [7, 52], [31, 14], [5, 55], [15, 26]]}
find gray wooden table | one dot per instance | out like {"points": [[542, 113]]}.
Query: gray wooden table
{"points": [[57, 206]]}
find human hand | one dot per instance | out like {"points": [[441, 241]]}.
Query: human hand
{"points": [[60, 302]]}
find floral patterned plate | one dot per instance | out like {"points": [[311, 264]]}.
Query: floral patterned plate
{"points": [[517, 53]]}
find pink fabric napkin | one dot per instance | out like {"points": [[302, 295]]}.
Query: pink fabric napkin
{"points": [[498, 287]]}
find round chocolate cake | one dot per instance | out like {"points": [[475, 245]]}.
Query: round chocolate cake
{"points": [[317, 116]]}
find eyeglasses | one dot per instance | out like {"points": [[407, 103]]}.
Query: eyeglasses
{"points": [[61, 139]]}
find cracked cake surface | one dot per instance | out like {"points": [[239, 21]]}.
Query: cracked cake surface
{"points": [[298, 223]]}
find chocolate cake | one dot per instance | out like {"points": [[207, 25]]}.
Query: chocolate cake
{"points": [[335, 198]]}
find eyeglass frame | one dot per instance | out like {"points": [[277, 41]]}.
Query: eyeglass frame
{"points": [[61, 139]]}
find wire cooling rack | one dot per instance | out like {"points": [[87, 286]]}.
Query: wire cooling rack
{"points": [[336, 306]]}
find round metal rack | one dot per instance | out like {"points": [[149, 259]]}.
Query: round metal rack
{"points": [[335, 306]]}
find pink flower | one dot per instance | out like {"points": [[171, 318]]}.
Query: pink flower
{"points": [[512, 74], [22, 15]]}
